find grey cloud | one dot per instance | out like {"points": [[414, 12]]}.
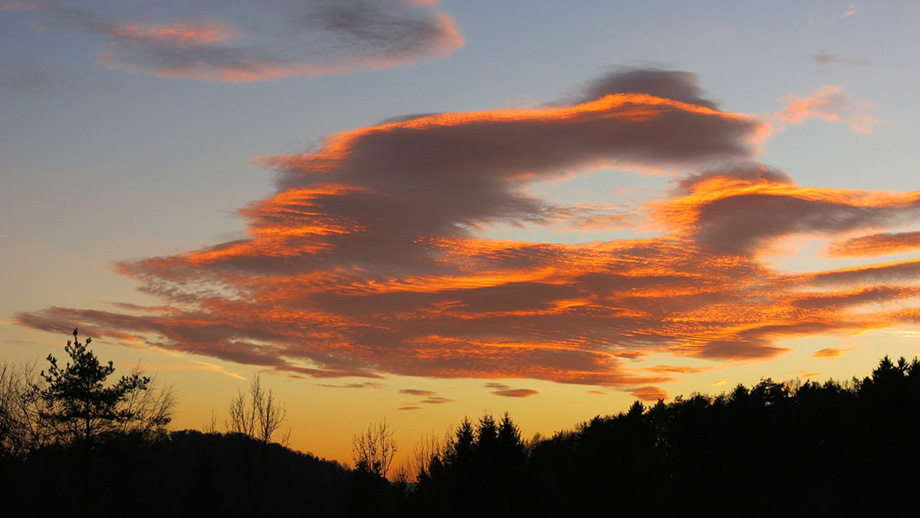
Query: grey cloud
{"points": [[516, 393], [877, 244], [239, 41], [883, 273], [670, 84], [828, 58], [746, 221]]}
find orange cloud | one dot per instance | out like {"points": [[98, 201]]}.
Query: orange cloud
{"points": [[746, 209], [828, 353], [649, 393], [20, 5], [829, 103], [190, 33], [369, 259], [227, 42], [876, 244]]}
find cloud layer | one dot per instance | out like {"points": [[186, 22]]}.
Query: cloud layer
{"points": [[240, 41], [370, 258]]}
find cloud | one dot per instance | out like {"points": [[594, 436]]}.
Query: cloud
{"points": [[683, 369], [827, 58], [830, 352], [821, 17], [851, 10], [366, 385], [371, 259], [37, 83], [237, 41], [829, 103], [500, 389], [747, 209], [436, 400], [416, 392], [649, 393], [669, 84], [876, 244], [885, 273], [516, 393], [431, 398]]}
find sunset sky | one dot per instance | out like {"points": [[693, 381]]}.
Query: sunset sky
{"points": [[420, 210]]}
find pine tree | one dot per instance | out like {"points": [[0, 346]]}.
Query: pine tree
{"points": [[77, 404]]}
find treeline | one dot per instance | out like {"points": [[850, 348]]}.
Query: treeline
{"points": [[775, 449], [72, 443]]}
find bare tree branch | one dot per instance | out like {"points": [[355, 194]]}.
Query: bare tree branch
{"points": [[374, 449]]}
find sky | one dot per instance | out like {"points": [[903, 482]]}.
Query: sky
{"points": [[417, 211]]}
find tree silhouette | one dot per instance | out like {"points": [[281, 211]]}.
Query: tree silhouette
{"points": [[374, 449], [258, 415], [19, 427], [79, 406]]}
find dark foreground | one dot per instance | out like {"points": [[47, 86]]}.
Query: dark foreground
{"points": [[775, 449]]}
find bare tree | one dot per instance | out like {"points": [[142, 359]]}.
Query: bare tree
{"points": [[428, 448], [258, 415], [19, 426], [374, 449], [211, 426], [152, 408]]}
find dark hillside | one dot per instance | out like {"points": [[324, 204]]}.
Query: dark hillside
{"points": [[186, 473]]}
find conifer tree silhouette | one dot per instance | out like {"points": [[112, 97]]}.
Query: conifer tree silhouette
{"points": [[77, 403]]}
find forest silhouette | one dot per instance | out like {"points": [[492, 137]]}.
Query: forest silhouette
{"points": [[73, 444]]}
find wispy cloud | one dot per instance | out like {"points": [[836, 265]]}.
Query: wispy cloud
{"points": [[828, 58], [851, 10], [37, 83], [876, 244], [500, 389], [370, 258], [830, 352], [829, 103], [417, 392], [364, 386], [430, 397], [516, 393], [238, 41], [649, 393], [822, 16]]}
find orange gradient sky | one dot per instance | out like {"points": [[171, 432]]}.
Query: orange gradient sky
{"points": [[720, 205]]}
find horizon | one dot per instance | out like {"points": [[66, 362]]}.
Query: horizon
{"points": [[413, 212]]}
